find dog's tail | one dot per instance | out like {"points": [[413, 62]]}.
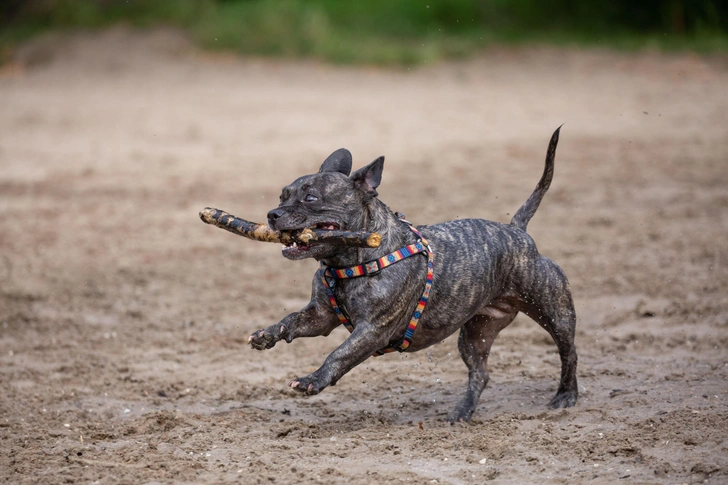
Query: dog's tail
{"points": [[527, 210]]}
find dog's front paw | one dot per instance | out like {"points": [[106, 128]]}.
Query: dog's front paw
{"points": [[310, 384], [267, 338]]}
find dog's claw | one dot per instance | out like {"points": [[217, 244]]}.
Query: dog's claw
{"points": [[458, 418], [294, 384]]}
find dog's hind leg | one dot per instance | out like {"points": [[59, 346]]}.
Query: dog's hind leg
{"points": [[476, 338], [548, 301]]}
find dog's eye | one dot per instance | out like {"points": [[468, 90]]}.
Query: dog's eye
{"points": [[310, 198]]}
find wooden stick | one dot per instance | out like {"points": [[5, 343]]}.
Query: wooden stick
{"points": [[261, 232]]}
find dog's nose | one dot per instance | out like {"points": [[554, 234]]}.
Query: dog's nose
{"points": [[273, 216]]}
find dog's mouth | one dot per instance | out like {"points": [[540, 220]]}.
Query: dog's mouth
{"points": [[327, 226], [297, 250]]}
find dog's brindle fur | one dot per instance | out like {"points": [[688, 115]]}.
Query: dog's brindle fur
{"points": [[485, 273]]}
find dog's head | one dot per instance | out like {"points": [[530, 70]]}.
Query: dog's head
{"points": [[330, 199]]}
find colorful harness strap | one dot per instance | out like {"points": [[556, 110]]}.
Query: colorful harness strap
{"points": [[375, 266]]}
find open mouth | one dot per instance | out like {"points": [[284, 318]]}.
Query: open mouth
{"points": [[298, 247], [327, 226], [296, 250]]}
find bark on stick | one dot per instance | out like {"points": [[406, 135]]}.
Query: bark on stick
{"points": [[261, 232]]}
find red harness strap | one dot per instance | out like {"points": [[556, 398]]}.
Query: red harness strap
{"points": [[375, 266]]}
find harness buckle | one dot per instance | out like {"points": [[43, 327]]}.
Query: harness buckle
{"points": [[372, 267]]}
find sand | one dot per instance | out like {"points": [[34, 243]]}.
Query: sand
{"points": [[124, 319]]}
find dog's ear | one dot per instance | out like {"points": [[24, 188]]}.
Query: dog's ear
{"points": [[369, 177], [339, 161]]}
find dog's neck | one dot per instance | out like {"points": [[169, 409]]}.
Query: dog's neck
{"points": [[376, 217]]}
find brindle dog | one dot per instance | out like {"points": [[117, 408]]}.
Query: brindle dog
{"points": [[484, 274]]}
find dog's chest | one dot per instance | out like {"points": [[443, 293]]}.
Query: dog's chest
{"points": [[388, 298]]}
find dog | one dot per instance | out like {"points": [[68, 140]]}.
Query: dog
{"points": [[475, 276]]}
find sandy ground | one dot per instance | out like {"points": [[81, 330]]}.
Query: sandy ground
{"points": [[123, 318]]}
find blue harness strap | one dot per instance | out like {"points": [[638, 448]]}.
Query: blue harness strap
{"points": [[421, 246]]}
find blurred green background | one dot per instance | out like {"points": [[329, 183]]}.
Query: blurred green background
{"points": [[388, 31]]}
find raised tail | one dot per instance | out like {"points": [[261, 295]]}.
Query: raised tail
{"points": [[527, 210]]}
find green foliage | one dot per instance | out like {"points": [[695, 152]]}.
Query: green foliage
{"points": [[389, 31]]}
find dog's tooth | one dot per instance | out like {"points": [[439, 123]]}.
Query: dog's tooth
{"points": [[294, 244]]}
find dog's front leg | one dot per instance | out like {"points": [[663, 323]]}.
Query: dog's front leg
{"points": [[364, 341], [312, 321]]}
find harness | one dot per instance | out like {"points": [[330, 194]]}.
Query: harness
{"points": [[370, 268]]}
